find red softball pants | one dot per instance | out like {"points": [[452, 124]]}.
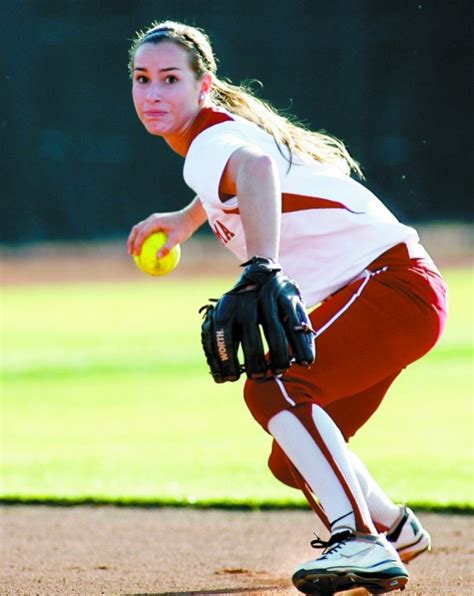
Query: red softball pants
{"points": [[367, 333]]}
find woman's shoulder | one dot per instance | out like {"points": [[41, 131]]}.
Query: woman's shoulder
{"points": [[214, 121], [216, 134]]}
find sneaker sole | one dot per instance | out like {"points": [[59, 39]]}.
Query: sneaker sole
{"points": [[411, 551], [326, 583]]}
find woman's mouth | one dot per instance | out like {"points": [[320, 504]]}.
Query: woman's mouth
{"points": [[154, 113]]}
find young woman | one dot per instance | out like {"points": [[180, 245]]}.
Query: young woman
{"points": [[269, 187]]}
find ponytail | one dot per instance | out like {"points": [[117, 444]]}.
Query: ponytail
{"points": [[286, 130]]}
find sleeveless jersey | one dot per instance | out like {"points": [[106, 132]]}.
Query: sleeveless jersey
{"points": [[332, 226]]}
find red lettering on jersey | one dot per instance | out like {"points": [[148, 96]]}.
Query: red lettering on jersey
{"points": [[222, 233]]}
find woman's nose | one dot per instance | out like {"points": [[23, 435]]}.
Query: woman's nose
{"points": [[154, 93]]}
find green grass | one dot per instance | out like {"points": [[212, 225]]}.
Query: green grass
{"points": [[106, 396]]}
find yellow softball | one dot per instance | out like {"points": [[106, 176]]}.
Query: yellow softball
{"points": [[147, 260]]}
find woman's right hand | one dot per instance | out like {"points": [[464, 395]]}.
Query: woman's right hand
{"points": [[177, 225]]}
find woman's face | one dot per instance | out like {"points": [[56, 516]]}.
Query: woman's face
{"points": [[166, 94]]}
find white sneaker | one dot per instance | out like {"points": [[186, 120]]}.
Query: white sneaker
{"points": [[408, 536], [352, 560]]}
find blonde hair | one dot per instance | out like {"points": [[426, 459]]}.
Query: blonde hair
{"points": [[240, 99]]}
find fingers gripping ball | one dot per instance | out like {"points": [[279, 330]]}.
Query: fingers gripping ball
{"points": [[147, 260]]}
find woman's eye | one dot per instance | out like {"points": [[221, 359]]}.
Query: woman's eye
{"points": [[141, 79], [171, 79]]}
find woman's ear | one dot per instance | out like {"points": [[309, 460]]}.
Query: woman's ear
{"points": [[206, 84]]}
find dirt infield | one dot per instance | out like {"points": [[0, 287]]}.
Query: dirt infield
{"points": [[107, 550], [69, 262]]}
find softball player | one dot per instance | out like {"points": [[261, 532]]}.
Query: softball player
{"points": [[271, 189]]}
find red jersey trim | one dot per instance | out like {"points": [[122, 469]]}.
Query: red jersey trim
{"points": [[292, 203], [206, 118], [301, 203]]}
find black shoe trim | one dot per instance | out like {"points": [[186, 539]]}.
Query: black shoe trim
{"points": [[412, 544], [394, 535]]}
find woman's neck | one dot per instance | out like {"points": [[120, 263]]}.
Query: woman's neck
{"points": [[207, 116]]}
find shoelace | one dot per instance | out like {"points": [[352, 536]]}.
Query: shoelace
{"points": [[334, 543]]}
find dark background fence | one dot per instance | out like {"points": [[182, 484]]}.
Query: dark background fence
{"points": [[391, 78]]}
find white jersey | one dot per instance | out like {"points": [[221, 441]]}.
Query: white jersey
{"points": [[332, 226]]}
